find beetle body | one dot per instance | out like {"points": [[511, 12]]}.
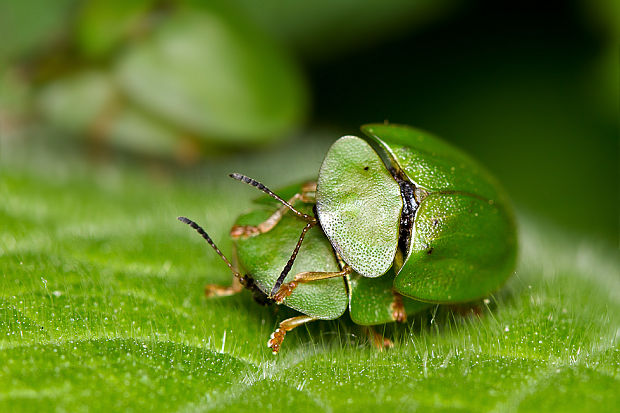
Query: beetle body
{"points": [[404, 199], [405, 220]]}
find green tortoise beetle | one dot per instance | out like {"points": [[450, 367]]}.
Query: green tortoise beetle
{"points": [[406, 219]]}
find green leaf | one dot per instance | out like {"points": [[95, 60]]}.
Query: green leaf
{"points": [[103, 24], [216, 76], [102, 308], [57, 101], [30, 24]]}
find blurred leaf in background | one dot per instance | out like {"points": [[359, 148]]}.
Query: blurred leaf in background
{"points": [[27, 25], [174, 79], [193, 77], [102, 26], [217, 77]]}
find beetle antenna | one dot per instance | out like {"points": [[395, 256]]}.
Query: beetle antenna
{"points": [[289, 264], [260, 186], [206, 236]]}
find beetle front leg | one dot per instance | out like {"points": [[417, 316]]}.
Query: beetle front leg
{"points": [[307, 195], [286, 289], [277, 337]]}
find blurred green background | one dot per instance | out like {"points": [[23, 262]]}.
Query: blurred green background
{"points": [[118, 116], [530, 91]]}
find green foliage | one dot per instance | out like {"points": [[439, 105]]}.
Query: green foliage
{"points": [[101, 307], [321, 29], [104, 24], [217, 76], [218, 81], [26, 25]]}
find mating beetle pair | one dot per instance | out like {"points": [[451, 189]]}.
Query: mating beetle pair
{"points": [[396, 220]]}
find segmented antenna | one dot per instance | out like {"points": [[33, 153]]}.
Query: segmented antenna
{"points": [[255, 183], [206, 236], [289, 264]]}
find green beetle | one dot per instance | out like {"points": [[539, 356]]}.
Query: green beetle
{"points": [[406, 220]]}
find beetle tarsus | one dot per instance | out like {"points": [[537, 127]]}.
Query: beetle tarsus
{"points": [[399, 314], [387, 343], [214, 290], [378, 340], [285, 291], [277, 337], [244, 231], [467, 310], [308, 191], [275, 340]]}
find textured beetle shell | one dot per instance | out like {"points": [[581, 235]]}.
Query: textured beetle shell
{"points": [[359, 205], [464, 238], [371, 300], [264, 256]]}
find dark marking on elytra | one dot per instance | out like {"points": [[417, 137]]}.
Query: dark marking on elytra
{"points": [[365, 168], [410, 207], [435, 222]]}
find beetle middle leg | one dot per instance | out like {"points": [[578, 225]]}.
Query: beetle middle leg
{"points": [[286, 289], [277, 337], [306, 195]]}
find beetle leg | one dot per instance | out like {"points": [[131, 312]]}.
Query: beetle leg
{"points": [[378, 340], [286, 289], [277, 337], [467, 309], [398, 308], [307, 195], [246, 231], [308, 192], [215, 290]]}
